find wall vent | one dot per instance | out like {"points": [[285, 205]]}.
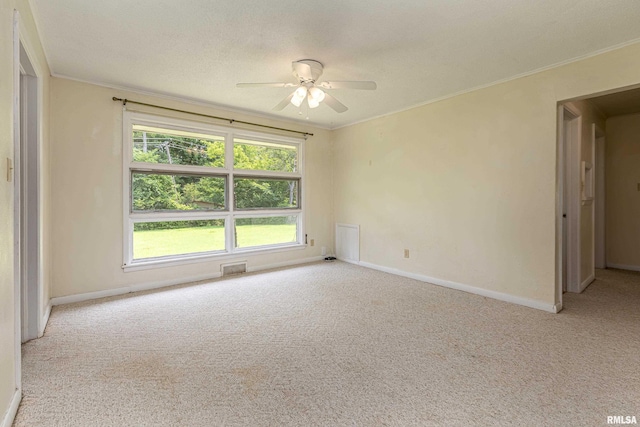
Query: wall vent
{"points": [[236, 268]]}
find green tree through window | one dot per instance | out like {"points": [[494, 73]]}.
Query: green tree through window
{"points": [[176, 173]]}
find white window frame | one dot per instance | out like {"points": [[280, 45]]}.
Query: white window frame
{"points": [[131, 118]]}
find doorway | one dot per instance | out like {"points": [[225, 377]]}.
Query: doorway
{"points": [[597, 187], [568, 212], [27, 198]]}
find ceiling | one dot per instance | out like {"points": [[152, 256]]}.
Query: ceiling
{"points": [[415, 50], [617, 104]]}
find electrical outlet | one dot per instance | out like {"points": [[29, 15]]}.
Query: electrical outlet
{"points": [[312, 242], [324, 251], [406, 253]]}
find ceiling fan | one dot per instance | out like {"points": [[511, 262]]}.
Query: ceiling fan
{"points": [[308, 71]]}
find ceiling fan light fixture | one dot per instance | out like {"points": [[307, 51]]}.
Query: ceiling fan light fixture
{"points": [[313, 103], [301, 92], [296, 100], [299, 95], [317, 94]]}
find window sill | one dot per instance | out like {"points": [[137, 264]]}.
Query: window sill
{"points": [[177, 261]]}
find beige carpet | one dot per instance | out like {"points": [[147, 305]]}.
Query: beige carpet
{"points": [[335, 345]]}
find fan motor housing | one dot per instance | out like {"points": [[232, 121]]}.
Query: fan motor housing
{"points": [[316, 68]]}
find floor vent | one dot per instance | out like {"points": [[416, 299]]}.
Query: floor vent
{"points": [[230, 269]]}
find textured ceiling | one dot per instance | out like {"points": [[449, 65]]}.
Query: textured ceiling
{"points": [[415, 50]]}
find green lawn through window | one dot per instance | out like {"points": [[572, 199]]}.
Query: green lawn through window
{"points": [[157, 243]]}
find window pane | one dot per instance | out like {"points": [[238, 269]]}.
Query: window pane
{"points": [[158, 192], [256, 155], [266, 231], [251, 193], [169, 146], [158, 239]]}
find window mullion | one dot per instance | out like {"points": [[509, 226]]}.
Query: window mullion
{"points": [[259, 213], [186, 169], [267, 174], [176, 215]]}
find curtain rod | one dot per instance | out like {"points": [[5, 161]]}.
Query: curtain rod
{"points": [[231, 121]]}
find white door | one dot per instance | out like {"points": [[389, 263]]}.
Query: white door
{"points": [[568, 238]]}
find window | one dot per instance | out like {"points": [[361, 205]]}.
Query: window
{"points": [[196, 191]]}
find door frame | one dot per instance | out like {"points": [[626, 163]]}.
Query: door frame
{"points": [[17, 293], [25, 63], [28, 192], [569, 163], [599, 232]]}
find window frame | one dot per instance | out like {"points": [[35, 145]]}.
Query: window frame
{"points": [[229, 214]]}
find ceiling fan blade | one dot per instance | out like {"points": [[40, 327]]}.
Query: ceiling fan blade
{"points": [[302, 70], [283, 103], [363, 85], [266, 85], [338, 106]]}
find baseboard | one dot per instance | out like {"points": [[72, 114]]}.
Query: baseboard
{"points": [[10, 415], [128, 289], [351, 261], [165, 283], [45, 320], [624, 267], [587, 282], [285, 264], [539, 305]]}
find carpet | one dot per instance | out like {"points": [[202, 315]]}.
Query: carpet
{"points": [[334, 344]]}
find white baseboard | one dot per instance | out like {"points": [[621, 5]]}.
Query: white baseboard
{"points": [[587, 282], [285, 263], [10, 415], [552, 308], [351, 261], [45, 320], [165, 283], [624, 267], [128, 289]]}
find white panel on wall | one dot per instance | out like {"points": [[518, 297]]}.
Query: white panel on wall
{"points": [[348, 242]]}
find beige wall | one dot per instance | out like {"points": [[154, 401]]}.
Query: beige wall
{"points": [[31, 39], [468, 184], [622, 196], [87, 193]]}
